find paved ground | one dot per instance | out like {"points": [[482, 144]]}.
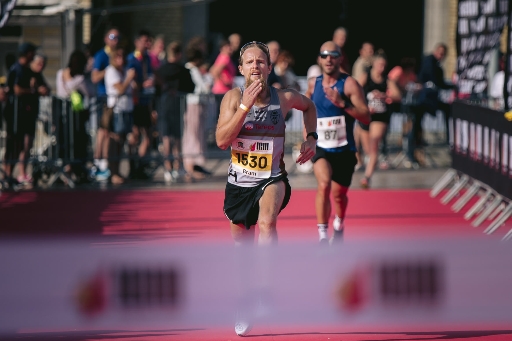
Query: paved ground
{"points": [[437, 162]]}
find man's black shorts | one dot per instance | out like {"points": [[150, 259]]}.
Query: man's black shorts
{"points": [[241, 204], [342, 164]]}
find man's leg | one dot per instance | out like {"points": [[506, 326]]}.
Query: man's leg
{"points": [[323, 174], [270, 206], [241, 235]]}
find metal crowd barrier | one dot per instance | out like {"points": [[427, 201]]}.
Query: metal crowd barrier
{"points": [[66, 138]]}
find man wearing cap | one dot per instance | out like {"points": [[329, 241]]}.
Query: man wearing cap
{"points": [[24, 88], [101, 61]]}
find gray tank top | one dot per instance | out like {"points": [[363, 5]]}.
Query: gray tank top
{"points": [[258, 150]]}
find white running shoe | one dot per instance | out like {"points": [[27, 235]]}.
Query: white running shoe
{"points": [[242, 328], [338, 223]]}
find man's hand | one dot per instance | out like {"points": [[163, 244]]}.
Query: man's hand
{"points": [[307, 151], [334, 96], [251, 93], [148, 83]]}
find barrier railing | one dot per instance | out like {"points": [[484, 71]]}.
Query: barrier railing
{"points": [[65, 138], [481, 145]]}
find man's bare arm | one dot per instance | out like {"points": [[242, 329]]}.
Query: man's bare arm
{"points": [[359, 108], [97, 75]]}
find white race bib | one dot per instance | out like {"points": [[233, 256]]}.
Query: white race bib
{"points": [[332, 132], [252, 157]]}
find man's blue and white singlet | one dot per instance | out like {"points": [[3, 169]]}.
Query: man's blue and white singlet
{"points": [[335, 127]]}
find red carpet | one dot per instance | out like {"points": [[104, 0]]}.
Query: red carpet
{"points": [[194, 215]]}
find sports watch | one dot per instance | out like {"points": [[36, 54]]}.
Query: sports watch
{"points": [[314, 134]]}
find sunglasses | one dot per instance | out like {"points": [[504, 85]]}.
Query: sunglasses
{"points": [[112, 36], [242, 50], [325, 54]]}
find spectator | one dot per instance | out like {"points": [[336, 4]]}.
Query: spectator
{"points": [[235, 40], [497, 87], [431, 76], [274, 48], [73, 86], [118, 83], [24, 89], [173, 81], [193, 141], [314, 71], [284, 69], [157, 52], [223, 72], [364, 61], [144, 90], [101, 61], [339, 37]]}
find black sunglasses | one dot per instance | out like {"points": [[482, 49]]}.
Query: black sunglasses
{"points": [[242, 50], [334, 54]]}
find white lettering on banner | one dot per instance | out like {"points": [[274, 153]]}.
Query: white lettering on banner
{"points": [[480, 87], [503, 6], [468, 44], [492, 152], [465, 137], [466, 86], [510, 157], [472, 141], [463, 26], [497, 153], [479, 142], [504, 155], [488, 7], [457, 135], [476, 72], [450, 137], [478, 25], [486, 145], [468, 8], [90, 285]]}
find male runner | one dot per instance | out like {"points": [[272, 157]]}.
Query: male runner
{"points": [[340, 101]]}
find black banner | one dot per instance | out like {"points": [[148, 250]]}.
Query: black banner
{"points": [[479, 27], [6, 7], [481, 145]]}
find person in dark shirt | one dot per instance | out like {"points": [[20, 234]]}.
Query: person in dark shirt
{"points": [[431, 76], [173, 81], [24, 88], [144, 92]]}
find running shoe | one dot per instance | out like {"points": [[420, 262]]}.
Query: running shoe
{"points": [[242, 328], [103, 175], [168, 177], [337, 237]]}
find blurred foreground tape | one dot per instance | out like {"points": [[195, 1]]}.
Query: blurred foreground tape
{"points": [[87, 284]]}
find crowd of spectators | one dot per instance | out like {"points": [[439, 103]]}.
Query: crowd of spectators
{"points": [[153, 97]]}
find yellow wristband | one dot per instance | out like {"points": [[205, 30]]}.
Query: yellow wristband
{"points": [[244, 108]]}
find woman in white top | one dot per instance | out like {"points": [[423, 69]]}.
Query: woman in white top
{"points": [[118, 84], [72, 85], [193, 140]]}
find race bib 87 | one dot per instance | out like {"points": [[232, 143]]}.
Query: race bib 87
{"points": [[252, 157], [332, 132]]}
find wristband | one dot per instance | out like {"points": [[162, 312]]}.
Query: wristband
{"points": [[244, 108]]}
